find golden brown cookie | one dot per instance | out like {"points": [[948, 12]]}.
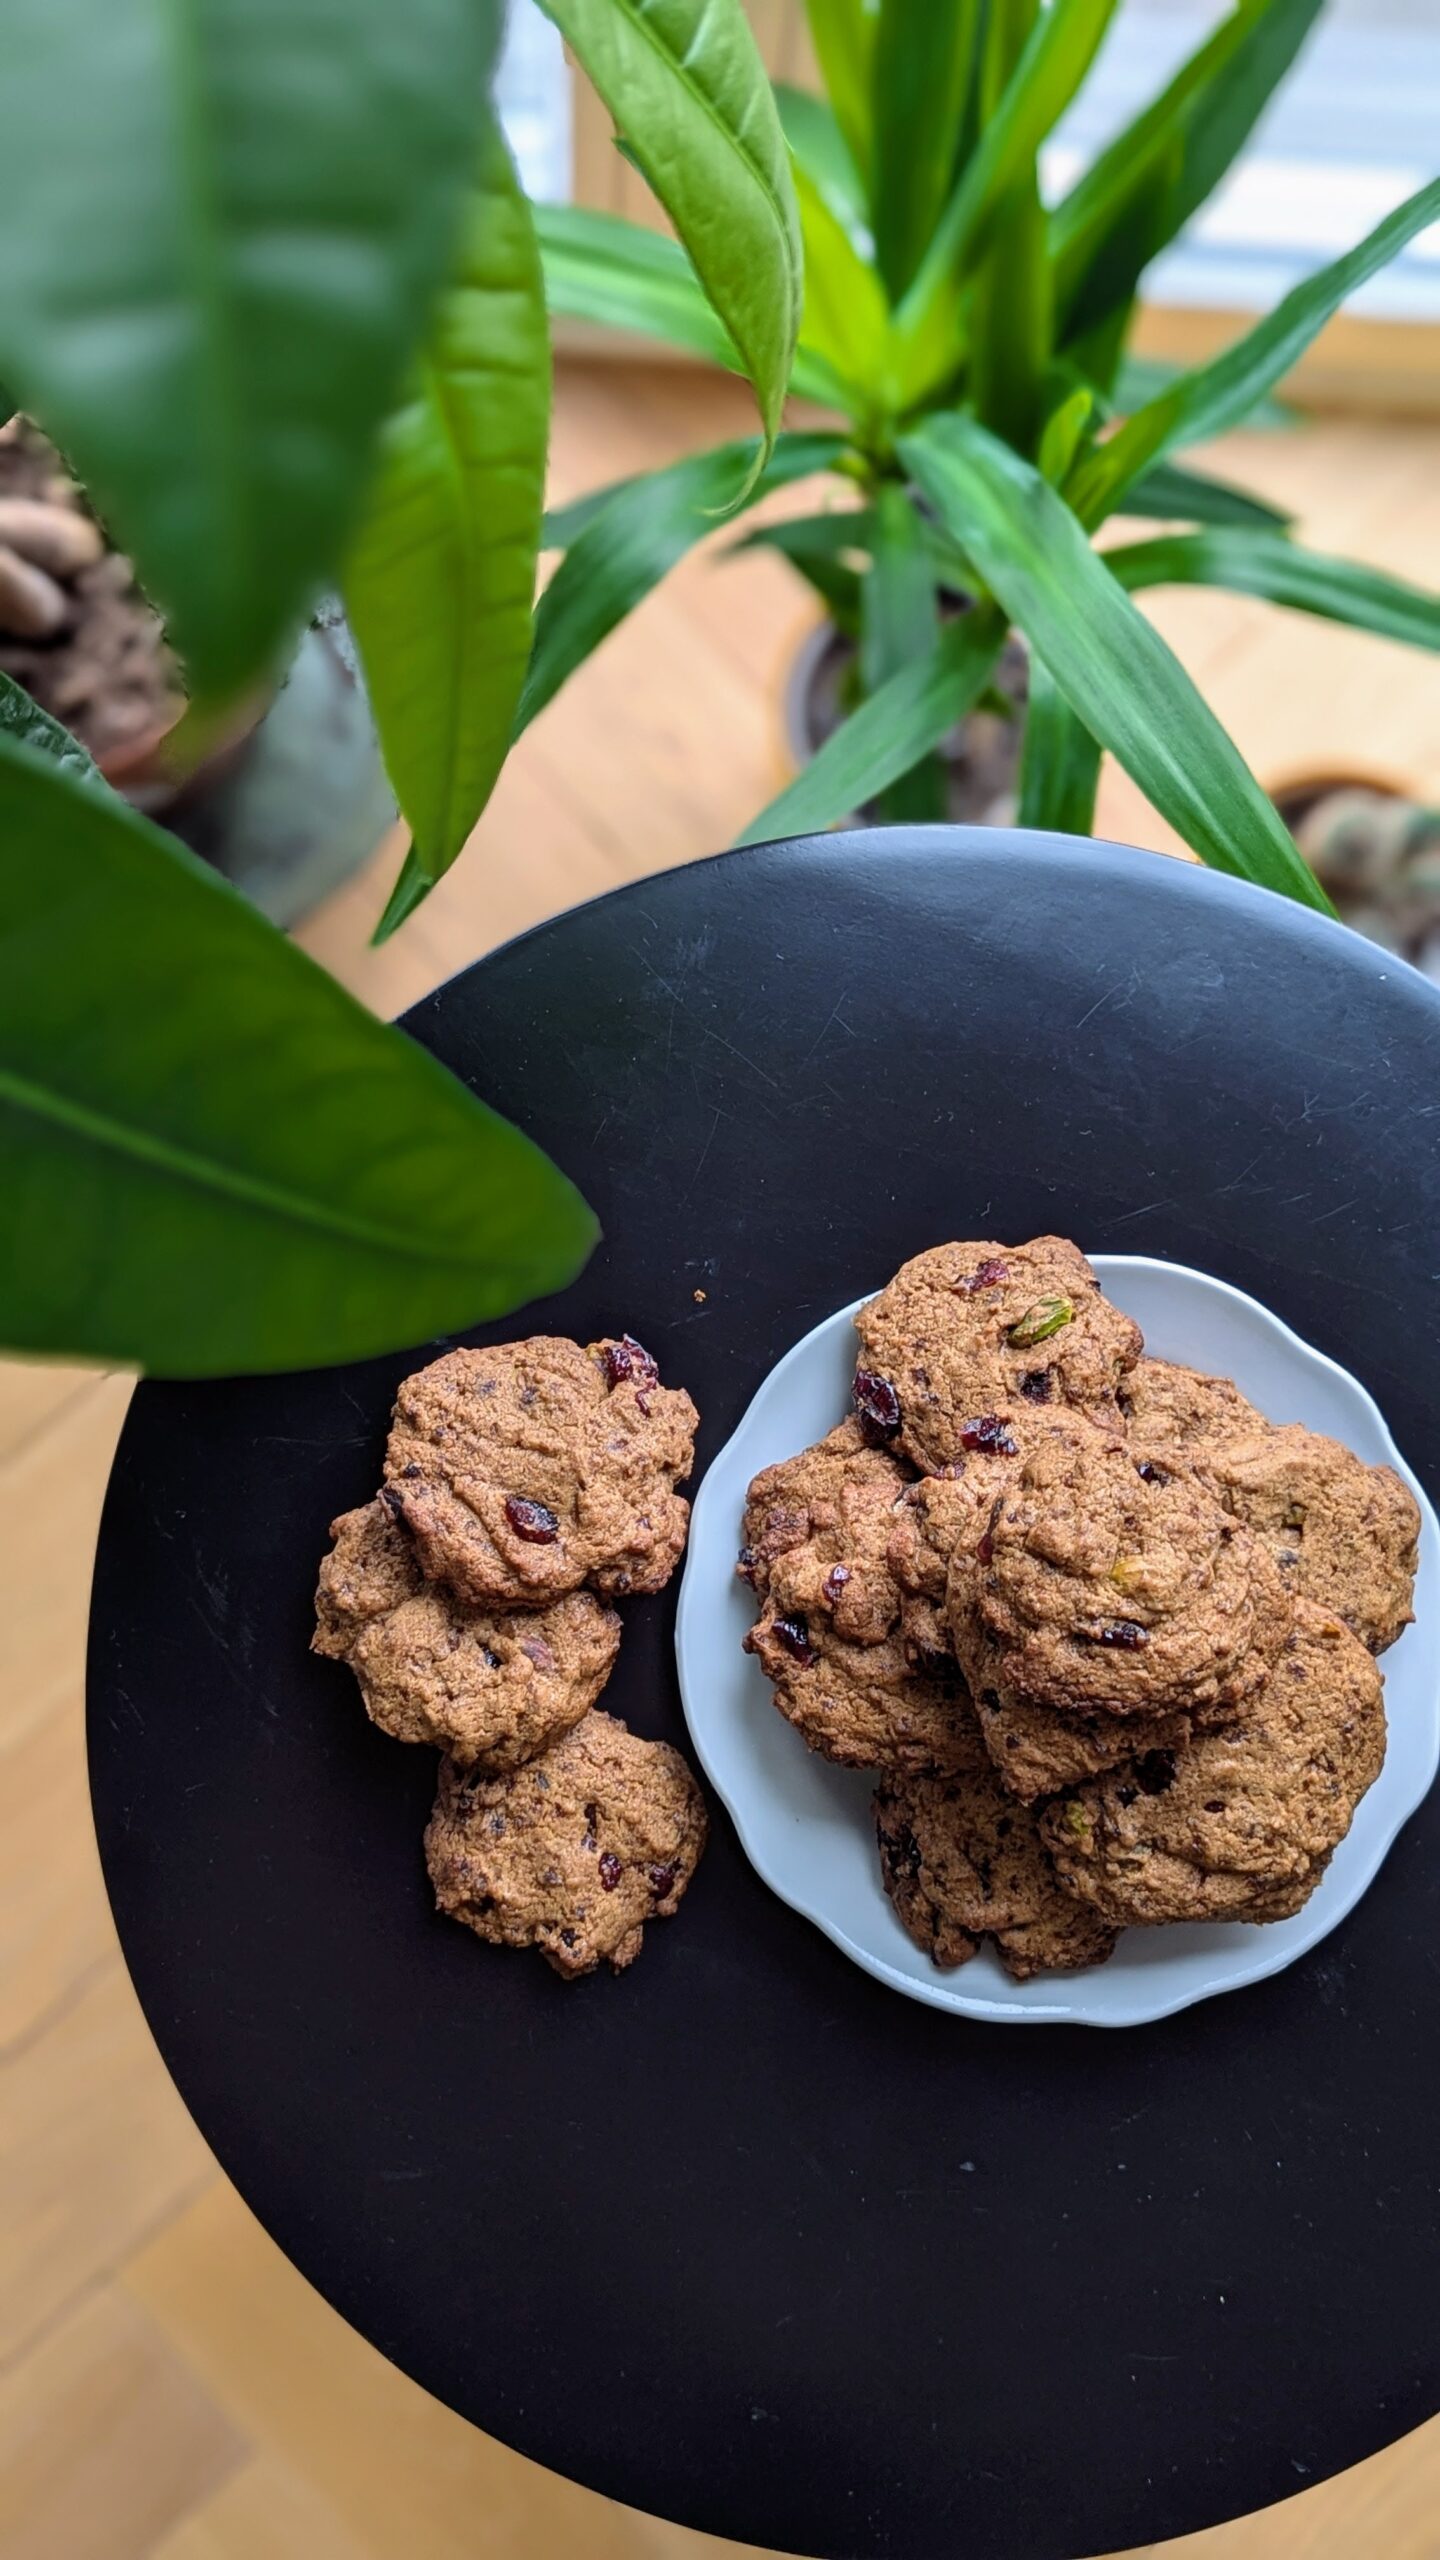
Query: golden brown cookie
{"points": [[967, 1335], [1109, 1585], [1241, 1825], [1038, 1750], [1344, 1535], [574, 1853], [491, 1686], [962, 1861], [869, 1706], [829, 1513], [528, 1469], [1169, 1407]]}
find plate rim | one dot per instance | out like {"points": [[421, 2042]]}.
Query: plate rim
{"points": [[987, 2008]]}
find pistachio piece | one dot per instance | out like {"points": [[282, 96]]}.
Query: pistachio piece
{"points": [[1040, 1321]]}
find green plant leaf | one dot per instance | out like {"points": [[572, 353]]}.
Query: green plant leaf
{"points": [[1064, 432], [213, 1158], [889, 733], [627, 546], [819, 147], [1143, 378], [687, 89], [899, 623], [1265, 564], [440, 580], [843, 35], [1142, 189], [1059, 762], [1172, 494], [232, 234], [923, 66], [1010, 322], [1116, 672], [1061, 47], [846, 322], [816, 546], [1212, 397], [22, 719]]}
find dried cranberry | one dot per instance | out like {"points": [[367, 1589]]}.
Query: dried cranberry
{"points": [[537, 1651], [628, 1358], [1155, 1771], [1037, 1383], [835, 1581], [394, 1502], [990, 1432], [901, 1852], [745, 1564], [610, 1870], [1126, 1795], [794, 1634], [662, 1881], [1120, 1633], [876, 1402], [988, 1276], [535, 1522], [1149, 1473], [567, 1937], [412, 1471], [986, 1549]]}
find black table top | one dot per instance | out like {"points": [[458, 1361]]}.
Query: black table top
{"points": [[743, 2237]]}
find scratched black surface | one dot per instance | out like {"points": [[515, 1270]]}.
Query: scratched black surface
{"points": [[744, 2238]]}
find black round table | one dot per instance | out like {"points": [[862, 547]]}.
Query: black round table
{"points": [[743, 2237]]}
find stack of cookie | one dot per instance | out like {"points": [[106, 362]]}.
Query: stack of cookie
{"points": [[526, 1487], [1105, 1633]]}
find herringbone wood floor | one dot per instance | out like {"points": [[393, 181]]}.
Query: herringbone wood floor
{"points": [[173, 2390]]}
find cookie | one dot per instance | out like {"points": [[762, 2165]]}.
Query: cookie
{"points": [[572, 1854], [1240, 1826], [966, 1335], [492, 1687], [868, 1706], [931, 1519], [526, 1470], [1344, 1535], [962, 1861], [1038, 1750], [1109, 1584], [1168, 1407], [829, 1513]]}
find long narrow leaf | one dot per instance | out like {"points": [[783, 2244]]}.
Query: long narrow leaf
{"points": [[846, 322], [441, 577], [1172, 494], [232, 234], [899, 623], [1142, 189], [1122, 681], [1265, 564], [626, 548], [23, 720], [1214, 396], [214, 1159], [924, 63], [1059, 761], [687, 89], [818, 146], [818, 561], [843, 34], [888, 734], [1060, 51]]}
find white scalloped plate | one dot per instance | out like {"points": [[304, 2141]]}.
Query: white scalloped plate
{"points": [[806, 1826]]}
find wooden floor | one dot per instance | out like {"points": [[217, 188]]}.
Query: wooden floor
{"points": [[173, 2390]]}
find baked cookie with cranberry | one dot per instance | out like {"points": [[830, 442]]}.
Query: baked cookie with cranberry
{"points": [[1241, 1825], [829, 1513], [962, 1861], [1345, 1535], [1185, 1412], [1038, 1750], [968, 1335], [530, 1468], [1108, 1585], [573, 1854], [868, 1706], [493, 1687]]}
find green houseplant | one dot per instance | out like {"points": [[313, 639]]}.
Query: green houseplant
{"points": [[277, 299], [973, 343]]}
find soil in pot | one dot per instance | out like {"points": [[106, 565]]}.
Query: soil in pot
{"points": [[1377, 853], [980, 757]]}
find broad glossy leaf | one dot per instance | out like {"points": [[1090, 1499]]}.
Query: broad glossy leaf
{"points": [[889, 733], [846, 322], [899, 623], [1060, 50], [1142, 189], [819, 147], [1211, 397], [22, 719], [688, 92], [627, 546], [1265, 564], [214, 1159], [1171, 493], [924, 64], [843, 34], [233, 227], [1059, 761], [440, 581], [1119, 677]]}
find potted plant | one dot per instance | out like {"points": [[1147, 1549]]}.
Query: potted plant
{"points": [[972, 343]]}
